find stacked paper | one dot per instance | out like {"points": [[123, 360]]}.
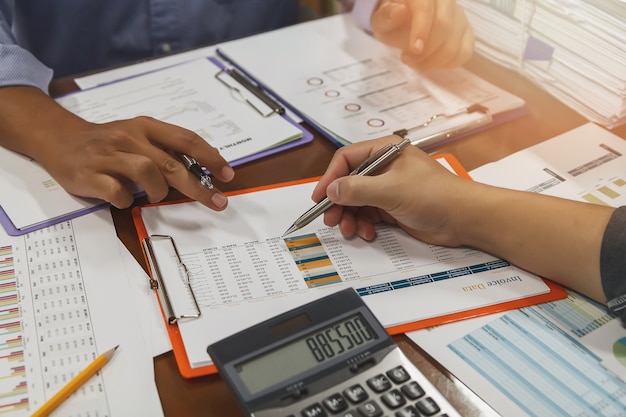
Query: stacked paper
{"points": [[574, 49]]}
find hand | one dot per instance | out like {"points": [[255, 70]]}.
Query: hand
{"points": [[110, 160], [430, 33], [413, 191]]}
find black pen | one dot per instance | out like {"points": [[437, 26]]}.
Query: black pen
{"points": [[195, 168], [257, 91]]}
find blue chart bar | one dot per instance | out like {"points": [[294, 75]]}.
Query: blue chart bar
{"points": [[581, 319], [428, 278], [13, 388]]}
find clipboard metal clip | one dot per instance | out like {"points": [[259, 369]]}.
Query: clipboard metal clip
{"points": [[257, 98], [170, 279]]}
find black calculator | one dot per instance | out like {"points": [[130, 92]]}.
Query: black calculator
{"points": [[330, 357]]}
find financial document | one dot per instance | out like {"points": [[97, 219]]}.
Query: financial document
{"points": [[241, 271], [65, 300]]}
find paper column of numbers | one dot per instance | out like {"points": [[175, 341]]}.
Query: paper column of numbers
{"points": [[60, 332]]}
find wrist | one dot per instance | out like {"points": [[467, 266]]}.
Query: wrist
{"points": [[33, 121]]}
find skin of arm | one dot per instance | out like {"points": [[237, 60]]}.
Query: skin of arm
{"points": [[553, 237], [106, 160], [430, 34]]}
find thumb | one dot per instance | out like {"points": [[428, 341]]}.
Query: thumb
{"points": [[391, 25], [359, 191]]}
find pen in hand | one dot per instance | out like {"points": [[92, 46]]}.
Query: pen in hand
{"points": [[195, 168], [377, 160]]}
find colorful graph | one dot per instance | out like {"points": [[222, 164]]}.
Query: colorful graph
{"points": [[312, 260], [609, 194], [13, 388]]}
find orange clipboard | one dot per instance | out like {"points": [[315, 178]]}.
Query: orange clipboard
{"points": [[555, 291], [173, 332]]}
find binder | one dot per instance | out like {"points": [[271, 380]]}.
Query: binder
{"points": [[168, 270], [34, 201]]}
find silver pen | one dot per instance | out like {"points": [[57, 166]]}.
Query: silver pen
{"points": [[195, 168], [377, 160]]}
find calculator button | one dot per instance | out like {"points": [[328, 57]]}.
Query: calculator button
{"points": [[428, 406], [350, 413], [356, 394], [393, 399], [379, 383], [412, 390], [370, 409], [398, 375], [314, 410], [335, 403], [409, 411]]}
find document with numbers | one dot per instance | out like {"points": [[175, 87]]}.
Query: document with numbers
{"points": [[66, 299], [241, 271]]}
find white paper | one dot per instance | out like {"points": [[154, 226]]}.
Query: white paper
{"points": [[242, 272], [575, 50], [69, 288]]}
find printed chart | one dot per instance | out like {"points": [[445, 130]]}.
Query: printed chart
{"points": [[46, 333]]}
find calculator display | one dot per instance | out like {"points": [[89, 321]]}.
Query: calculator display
{"points": [[321, 345]]}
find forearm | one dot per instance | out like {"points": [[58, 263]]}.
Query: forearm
{"points": [[556, 238], [31, 121]]}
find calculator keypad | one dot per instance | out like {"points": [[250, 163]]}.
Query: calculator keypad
{"points": [[393, 388], [392, 391]]}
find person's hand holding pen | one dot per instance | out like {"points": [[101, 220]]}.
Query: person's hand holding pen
{"points": [[557, 238], [406, 192], [110, 160], [430, 34]]}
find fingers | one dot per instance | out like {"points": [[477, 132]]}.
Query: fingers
{"points": [[112, 161], [391, 24], [175, 173], [174, 138], [357, 191], [430, 34], [442, 30], [346, 159]]}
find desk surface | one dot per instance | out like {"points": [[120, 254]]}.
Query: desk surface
{"points": [[209, 396]]}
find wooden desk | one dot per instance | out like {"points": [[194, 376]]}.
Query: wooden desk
{"points": [[208, 396]]}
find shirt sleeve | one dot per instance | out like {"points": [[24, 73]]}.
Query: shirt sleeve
{"points": [[613, 263], [17, 65]]}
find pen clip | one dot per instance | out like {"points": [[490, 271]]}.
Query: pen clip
{"points": [[235, 83], [376, 156], [371, 159]]}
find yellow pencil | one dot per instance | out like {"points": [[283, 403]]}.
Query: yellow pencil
{"points": [[74, 384]]}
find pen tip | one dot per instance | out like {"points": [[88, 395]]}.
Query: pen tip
{"points": [[289, 231]]}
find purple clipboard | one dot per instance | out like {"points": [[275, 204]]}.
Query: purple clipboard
{"points": [[10, 228]]}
